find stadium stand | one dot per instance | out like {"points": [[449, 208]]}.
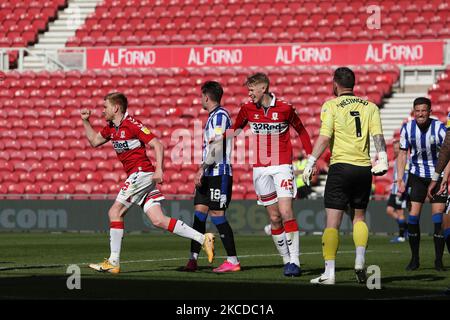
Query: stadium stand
{"points": [[46, 107], [21, 22], [439, 95], [141, 22]]}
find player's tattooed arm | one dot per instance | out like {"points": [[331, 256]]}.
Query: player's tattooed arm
{"points": [[444, 153], [380, 144]]}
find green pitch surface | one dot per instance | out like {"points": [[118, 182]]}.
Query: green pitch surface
{"points": [[34, 265]]}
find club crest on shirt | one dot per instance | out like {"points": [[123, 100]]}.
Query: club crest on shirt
{"points": [[122, 134], [432, 140], [275, 116]]}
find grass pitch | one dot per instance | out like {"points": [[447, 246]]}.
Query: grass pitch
{"points": [[34, 266]]}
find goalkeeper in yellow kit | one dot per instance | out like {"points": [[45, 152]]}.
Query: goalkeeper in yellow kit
{"points": [[347, 123]]}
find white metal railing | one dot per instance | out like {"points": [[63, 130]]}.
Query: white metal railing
{"points": [[430, 73], [53, 59]]}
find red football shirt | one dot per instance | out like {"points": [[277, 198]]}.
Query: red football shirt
{"points": [[271, 128], [129, 140]]}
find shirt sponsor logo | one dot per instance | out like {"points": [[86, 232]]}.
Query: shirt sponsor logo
{"points": [[121, 146], [269, 128]]}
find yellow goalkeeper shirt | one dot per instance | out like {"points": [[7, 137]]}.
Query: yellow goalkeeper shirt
{"points": [[349, 121]]}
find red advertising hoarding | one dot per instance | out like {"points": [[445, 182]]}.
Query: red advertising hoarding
{"points": [[404, 53]]}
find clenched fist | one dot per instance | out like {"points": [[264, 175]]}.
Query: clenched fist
{"points": [[85, 114]]}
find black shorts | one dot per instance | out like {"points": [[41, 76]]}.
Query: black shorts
{"points": [[418, 187], [215, 192], [396, 202], [348, 185]]}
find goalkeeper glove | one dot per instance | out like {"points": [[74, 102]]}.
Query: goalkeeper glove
{"points": [[382, 164], [308, 170]]}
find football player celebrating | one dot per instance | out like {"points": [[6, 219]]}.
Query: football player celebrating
{"points": [[273, 174], [129, 138]]}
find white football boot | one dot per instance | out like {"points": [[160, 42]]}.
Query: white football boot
{"points": [[323, 279]]}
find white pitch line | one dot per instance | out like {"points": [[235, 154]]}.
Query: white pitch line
{"points": [[156, 260]]}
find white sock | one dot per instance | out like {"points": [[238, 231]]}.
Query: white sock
{"points": [[281, 245], [232, 260], [294, 248], [115, 239], [360, 257], [329, 268], [194, 256], [183, 230]]}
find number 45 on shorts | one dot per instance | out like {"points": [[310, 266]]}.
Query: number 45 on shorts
{"points": [[286, 184]]}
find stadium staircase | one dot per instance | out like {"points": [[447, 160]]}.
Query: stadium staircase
{"points": [[396, 110], [68, 21]]}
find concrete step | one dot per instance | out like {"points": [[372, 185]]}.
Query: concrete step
{"points": [[63, 28], [404, 95], [390, 121], [393, 106], [400, 100], [58, 35], [395, 114], [69, 13], [390, 129], [34, 65], [68, 22], [53, 41], [82, 8], [49, 46], [34, 59]]}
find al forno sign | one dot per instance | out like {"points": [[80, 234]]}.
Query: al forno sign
{"points": [[405, 53]]}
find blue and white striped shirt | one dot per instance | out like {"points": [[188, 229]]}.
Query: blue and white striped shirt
{"points": [[218, 122], [424, 146]]}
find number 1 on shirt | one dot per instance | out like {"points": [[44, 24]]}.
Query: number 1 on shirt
{"points": [[357, 122]]}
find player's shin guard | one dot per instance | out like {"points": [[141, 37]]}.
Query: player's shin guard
{"points": [[414, 235], [292, 238], [438, 237], [360, 238], [330, 244], [115, 241], [227, 237], [183, 230], [279, 238], [200, 226]]}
